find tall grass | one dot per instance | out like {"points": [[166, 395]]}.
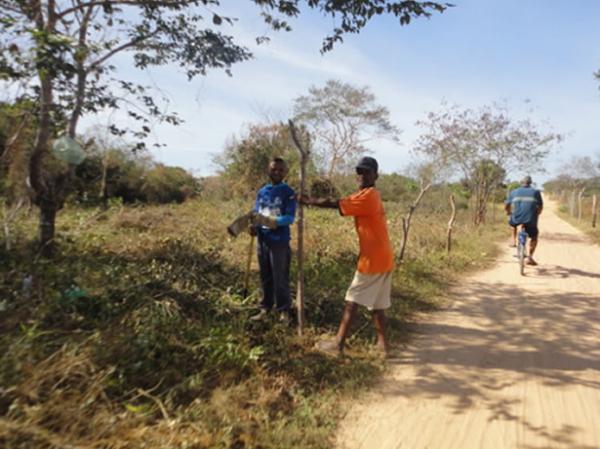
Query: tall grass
{"points": [[136, 333]]}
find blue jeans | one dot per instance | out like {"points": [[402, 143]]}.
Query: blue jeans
{"points": [[274, 262]]}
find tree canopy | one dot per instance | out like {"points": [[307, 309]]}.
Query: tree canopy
{"points": [[60, 54], [482, 146], [342, 118]]}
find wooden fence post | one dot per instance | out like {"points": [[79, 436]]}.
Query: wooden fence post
{"points": [[580, 204], [594, 211], [450, 224], [304, 153]]}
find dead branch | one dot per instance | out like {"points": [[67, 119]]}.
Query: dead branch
{"points": [[406, 220]]}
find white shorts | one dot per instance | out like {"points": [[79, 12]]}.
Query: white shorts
{"points": [[371, 290]]}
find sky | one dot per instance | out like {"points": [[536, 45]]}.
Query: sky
{"points": [[536, 56]]}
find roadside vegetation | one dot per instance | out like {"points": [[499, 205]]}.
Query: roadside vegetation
{"points": [[136, 334], [577, 190], [123, 323], [122, 318]]}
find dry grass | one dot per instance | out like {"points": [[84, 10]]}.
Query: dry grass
{"points": [[159, 352]]}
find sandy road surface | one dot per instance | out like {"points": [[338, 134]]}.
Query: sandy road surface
{"points": [[514, 363]]}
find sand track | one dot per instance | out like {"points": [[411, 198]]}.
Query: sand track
{"points": [[514, 363]]}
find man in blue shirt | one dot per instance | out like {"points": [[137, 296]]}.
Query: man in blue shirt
{"points": [[524, 204], [275, 208]]}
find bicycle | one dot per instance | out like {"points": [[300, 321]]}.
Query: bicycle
{"points": [[522, 248]]}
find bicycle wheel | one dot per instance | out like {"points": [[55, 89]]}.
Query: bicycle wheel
{"points": [[522, 251]]}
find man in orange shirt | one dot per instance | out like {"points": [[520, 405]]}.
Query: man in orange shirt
{"points": [[372, 281]]}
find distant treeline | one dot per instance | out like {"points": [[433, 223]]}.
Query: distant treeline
{"points": [[119, 173], [566, 183], [579, 173]]}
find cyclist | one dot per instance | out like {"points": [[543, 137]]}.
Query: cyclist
{"points": [[524, 204]]}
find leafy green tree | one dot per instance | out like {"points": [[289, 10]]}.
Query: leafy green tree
{"points": [[342, 119], [482, 145], [61, 52], [116, 172], [396, 187]]}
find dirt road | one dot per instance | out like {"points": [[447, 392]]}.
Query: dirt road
{"points": [[514, 363]]}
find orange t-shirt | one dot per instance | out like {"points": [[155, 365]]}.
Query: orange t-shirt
{"points": [[365, 206]]}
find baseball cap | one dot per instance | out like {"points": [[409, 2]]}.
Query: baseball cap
{"points": [[369, 163]]}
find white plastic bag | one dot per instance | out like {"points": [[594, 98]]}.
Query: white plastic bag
{"points": [[67, 149]]}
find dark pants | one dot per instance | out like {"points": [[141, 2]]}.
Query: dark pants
{"points": [[274, 261], [530, 228]]}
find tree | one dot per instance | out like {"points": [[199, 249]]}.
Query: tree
{"points": [[487, 176], [342, 119], [244, 161], [60, 52], [482, 145]]}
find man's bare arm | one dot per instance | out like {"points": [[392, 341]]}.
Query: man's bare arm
{"points": [[319, 202]]}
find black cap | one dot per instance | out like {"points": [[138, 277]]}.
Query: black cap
{"points": [[369, 163]]}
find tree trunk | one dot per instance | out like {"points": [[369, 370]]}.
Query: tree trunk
{"points": [[103, 186], [483, 196], [43, 192]]}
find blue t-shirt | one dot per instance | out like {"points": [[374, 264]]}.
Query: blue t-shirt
{"points": [[525, 203], [277, 201]]}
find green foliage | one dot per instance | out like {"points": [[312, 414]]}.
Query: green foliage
{"points": [[163, 184], [17, 131], [396, 187], [118, 173]]}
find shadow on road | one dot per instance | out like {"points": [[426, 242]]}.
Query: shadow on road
{"points": [[556, 271], [563, 238], [514, 335]]}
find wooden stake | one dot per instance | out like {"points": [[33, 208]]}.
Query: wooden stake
{"points": [[304, 154], [580, 204], [594, 213], [450, 224]]}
